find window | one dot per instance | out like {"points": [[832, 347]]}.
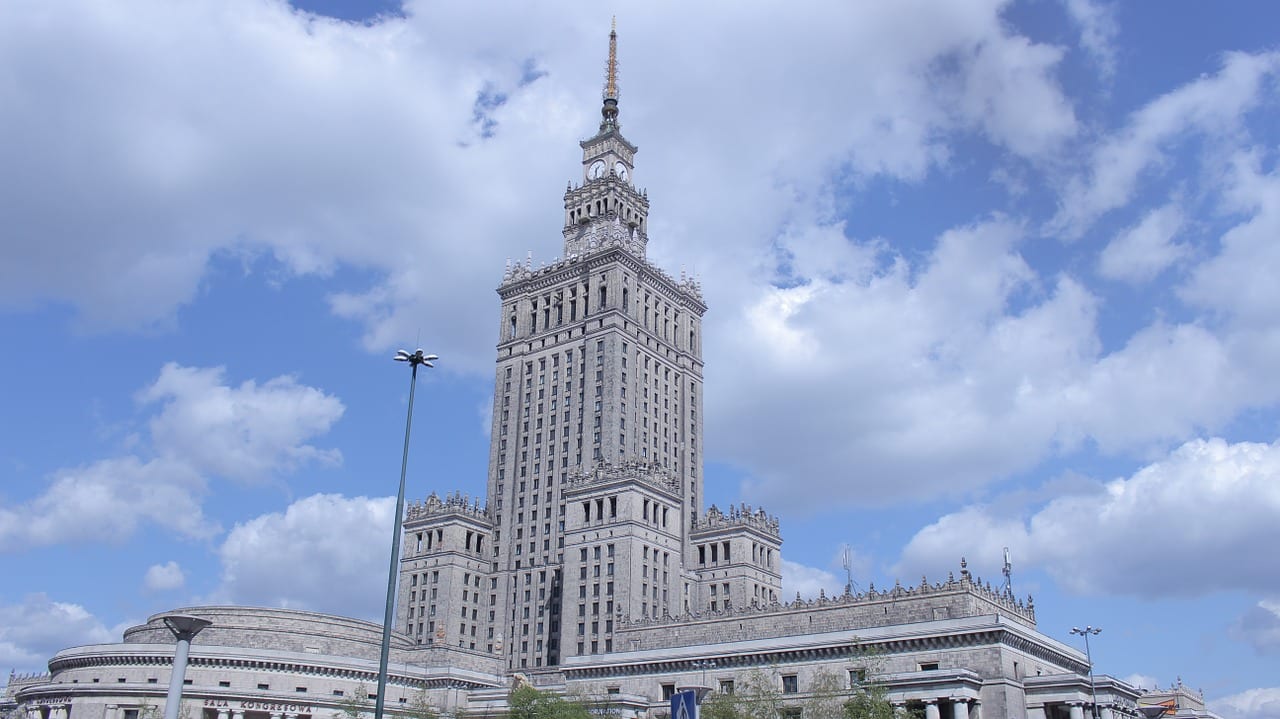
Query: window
{"points": [[668, 690], [790, 684], [726, 686], [928, 666]]}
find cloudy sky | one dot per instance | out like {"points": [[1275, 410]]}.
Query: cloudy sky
{"points": [[982, 274]]}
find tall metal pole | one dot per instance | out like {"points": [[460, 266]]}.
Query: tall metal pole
{"points": [[415, 359], [184, 628], [1093, 688]]}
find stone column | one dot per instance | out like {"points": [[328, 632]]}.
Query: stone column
{"points": [[931, 709], [1035, 713], [33, 711], [58, 712], [236, 714], [1077, 711], [959, 709], [1105, 712], [278, 715], [224, 714]]}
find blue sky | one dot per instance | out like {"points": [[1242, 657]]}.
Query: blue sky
{"points": [[981, 274]]}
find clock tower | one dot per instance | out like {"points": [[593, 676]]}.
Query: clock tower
{"points": [[607, 194]]}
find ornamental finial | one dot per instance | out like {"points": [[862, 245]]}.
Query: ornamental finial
{"points": [[610, 109]]}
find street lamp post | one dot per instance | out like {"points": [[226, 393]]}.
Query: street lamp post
{"points": [[704, 665], [184, 628], [1093, 688], [414, 359]]}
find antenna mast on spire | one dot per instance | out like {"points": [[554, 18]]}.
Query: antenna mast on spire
{"points": [[610, 109]]}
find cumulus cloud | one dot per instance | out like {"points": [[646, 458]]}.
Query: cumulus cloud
{"points": [[204, 429], [34, 629], [1120, 537], [1262, 703], [164, 577], [1141, 681], [337, 144], [1238, 282], [240, 432], [806, 581], [107, 501], [1145, 250], [325, 553]]}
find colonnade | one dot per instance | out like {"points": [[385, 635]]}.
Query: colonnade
{"points": [[961, 708]]}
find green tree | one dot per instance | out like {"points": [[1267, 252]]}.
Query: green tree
{"points": [[828, 693], [868, 696], [354, 706], [525, 702], [755, 696], [420, 708]]}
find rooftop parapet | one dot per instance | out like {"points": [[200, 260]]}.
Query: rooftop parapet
{"points": [[600, 235], [456, 503], [1024, 610], [649, 473], [740, 516]]}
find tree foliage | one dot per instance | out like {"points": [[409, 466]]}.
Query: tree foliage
{"points": [[525, 702], [827, 695], [354, 706]]}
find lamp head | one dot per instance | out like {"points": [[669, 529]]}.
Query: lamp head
{"points": [[185, 626]]}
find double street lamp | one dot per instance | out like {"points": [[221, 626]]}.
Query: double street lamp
{"points": [[1093, 688], [414, 359]]}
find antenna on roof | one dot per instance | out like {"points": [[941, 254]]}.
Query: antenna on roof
{"points": [[1008, 573], [846, 558]]}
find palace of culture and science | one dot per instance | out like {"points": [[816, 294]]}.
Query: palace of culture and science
{"points": [[595, 481], [591, 567]]}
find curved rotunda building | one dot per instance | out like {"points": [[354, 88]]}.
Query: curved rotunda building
{"points": [[591, 567]]}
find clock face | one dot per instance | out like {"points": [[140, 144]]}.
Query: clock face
{"points": [[621, 169], [596, 170]]}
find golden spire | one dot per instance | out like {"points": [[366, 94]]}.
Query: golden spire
{"points": [[610, 109]]}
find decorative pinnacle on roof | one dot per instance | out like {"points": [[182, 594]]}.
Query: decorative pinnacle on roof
{"points": [[610, 109]]}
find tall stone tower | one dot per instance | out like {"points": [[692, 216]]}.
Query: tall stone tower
{"points": [[595, 463], [599, 366]]}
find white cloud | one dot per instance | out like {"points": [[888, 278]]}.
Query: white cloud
{"points": [[867, 369], [1097, 32], [33, 630], [341, 144], [241, 432], [1119, 538], [1213, 107], [1145, 250], [107, 501], [164, 577], [205, 429], [1239, 282], [807, 581], [325, 553], [1141, 681], [1262, 703]]}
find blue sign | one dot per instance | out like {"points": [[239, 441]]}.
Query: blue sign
{"points": [[684, 705]]}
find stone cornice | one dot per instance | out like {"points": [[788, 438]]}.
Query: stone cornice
{"points": [[522, 279]]}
